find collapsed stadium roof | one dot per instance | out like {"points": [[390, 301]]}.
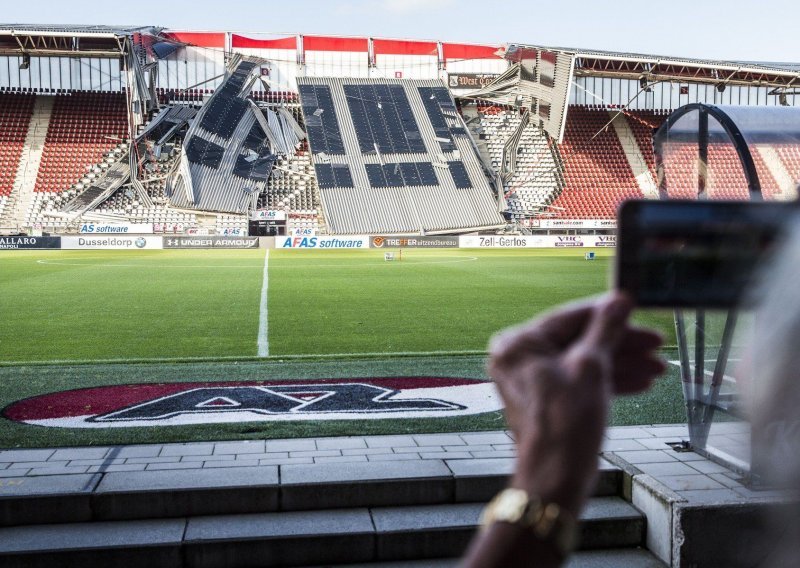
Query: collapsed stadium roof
{"points": [[671, 68]]}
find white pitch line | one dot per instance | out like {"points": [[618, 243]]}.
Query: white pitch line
{"points": [[263, 322]]}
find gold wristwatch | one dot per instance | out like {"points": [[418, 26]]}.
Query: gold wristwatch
{"points": [[547, 521]]}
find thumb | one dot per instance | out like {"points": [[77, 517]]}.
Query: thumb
{"points": [[607, 323]]}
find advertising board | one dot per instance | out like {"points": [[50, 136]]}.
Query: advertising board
{"points": [[533, 241], [573, 223], [210, 242], [413, 242], [16, 243], [268, 215], [304, 242], [348, 241], [117, 229], [111, 243], [470, 80], [233, 232]]}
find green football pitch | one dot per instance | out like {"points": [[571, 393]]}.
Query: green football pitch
{"points": [[109, 305], [92, 318]]}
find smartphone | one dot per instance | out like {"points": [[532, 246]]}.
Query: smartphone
{"points": [[696, 254]]}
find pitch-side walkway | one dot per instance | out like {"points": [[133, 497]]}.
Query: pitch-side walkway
{"points": [[689, 475]]}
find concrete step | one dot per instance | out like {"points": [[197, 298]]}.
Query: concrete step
{"points": [[158, 494], [614, 558], [297, 538]]}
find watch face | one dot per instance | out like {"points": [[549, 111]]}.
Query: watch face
{"points": [[510, 505]]}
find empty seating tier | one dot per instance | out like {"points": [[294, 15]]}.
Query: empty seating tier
{"points": [[597, 174], [83, 127], [15, 116]]}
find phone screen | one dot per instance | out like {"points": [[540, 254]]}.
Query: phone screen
{"points": [[696, 253]]}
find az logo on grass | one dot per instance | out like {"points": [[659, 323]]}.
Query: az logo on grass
{"points": [[203, 403]]}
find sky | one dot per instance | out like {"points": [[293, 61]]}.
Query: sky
{"points": [[712, 29]]}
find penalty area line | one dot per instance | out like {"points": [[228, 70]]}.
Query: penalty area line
{"points": [[263, 322]]}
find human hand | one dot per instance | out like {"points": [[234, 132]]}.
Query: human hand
{"points": [[556, 376]]}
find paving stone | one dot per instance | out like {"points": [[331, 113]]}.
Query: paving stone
{"points": [[389, 441], [137, 451], [264, 456], [294, 538], [287, 461], [759, 494], [213, 457], [666, 468], [340, 443], [656, 443], [512, 447], [57, 470], [365, 484], [4, 465], [709, 496], [623, 445], [19, 472], [173, 466], [438, 440], [393, 457], [470, 448], [425, 531], [418, 449], [166, 459], [155, 494], [725, 480], [187, 450], [486, 438], [445, 455], [121, 467], [494, 454], [315, 454], [707, 466], [237, 463], [53, 499], [669, 431], [645, 456], [118, 544], [29, 465], [689, 482], [70, 454], [622, 433], [340, 459], [244, 447], [115, 461], [25, 455], [366, 451], [297, 445], [687, 456]]}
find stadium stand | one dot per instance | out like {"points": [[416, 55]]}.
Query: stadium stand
{"points": [[84, 127], [389, 96], [15, 114], [790, 156], [535, 183], [86, 134], [596, 172], [643, 123], [726, 178]]}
